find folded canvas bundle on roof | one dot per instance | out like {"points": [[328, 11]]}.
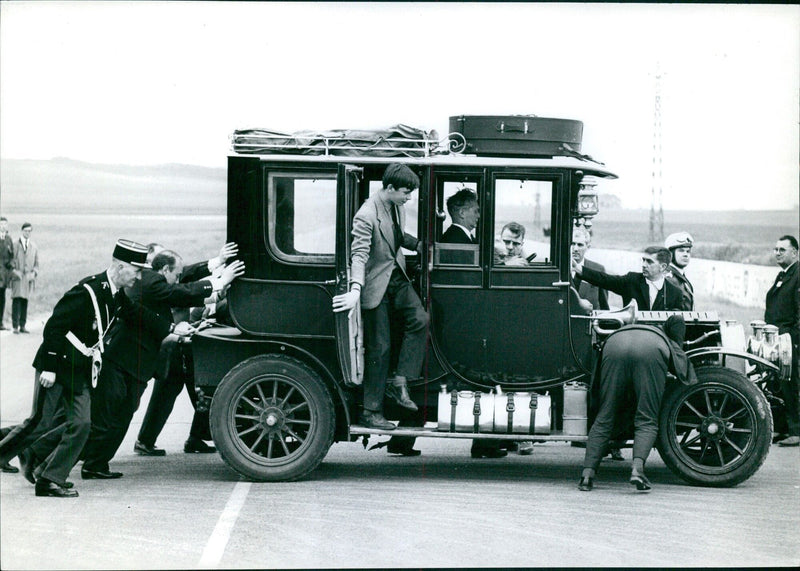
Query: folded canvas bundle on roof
{"points": [[395, 141]]}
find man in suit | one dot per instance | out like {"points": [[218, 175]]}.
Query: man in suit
{"points": [[783, 311], [378, 268], [23, 280], [6, 265], [168, 288], [595, 296], [649, 287], [680, 247], [66, 363], [465, 213], [635, 358], [132, 357]]}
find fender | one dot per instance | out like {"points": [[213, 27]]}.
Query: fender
{"points": [[753, 359]]}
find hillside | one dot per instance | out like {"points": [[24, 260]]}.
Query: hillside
{"points": [[74, 187]]}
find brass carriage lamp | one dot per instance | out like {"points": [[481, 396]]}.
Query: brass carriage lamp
{"points": [[588, 201]]}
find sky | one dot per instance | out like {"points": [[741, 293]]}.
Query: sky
{"points": [[156, 82]]}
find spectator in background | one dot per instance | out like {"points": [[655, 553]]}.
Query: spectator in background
{"points": [[680, 246], [581, 242], [6, 266], [783, 310], [23, 281]]}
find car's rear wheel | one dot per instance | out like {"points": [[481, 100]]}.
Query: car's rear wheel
{"points": [[272, 418], [716, 432]]}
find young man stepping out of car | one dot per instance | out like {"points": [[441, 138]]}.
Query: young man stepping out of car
{"points": [[380, 282]]}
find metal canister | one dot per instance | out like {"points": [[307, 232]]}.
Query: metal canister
{"points": [[575, 409]]}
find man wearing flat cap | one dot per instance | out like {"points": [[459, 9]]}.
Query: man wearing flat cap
{"points": [[680, 247], [66, 367]]}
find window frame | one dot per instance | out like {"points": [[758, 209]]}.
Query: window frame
{"points": [[270, 221]]}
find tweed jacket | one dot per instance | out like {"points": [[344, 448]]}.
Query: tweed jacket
{"points": [[374, 253]]}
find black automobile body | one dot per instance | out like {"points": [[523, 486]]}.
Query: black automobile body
{"points": [[284, 377]]}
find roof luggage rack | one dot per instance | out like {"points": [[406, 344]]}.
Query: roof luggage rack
{"points": [[395, 141]]}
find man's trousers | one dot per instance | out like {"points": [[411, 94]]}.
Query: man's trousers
{"points": [[399, 298]]}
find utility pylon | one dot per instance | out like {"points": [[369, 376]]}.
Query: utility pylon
{"points": [[656, 208]]}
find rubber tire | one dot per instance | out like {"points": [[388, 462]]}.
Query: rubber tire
{"points": [[733, 383], [307, 384]]}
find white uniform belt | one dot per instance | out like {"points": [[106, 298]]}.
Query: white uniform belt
{"points": [[72, 338]]}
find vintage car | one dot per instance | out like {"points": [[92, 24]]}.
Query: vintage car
{"points": [[510, 355]]}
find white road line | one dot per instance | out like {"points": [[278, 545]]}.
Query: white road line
{"points": [[215, 547]]}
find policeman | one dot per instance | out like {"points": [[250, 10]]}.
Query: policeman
{"points": [[67, 366], [680, 247]]}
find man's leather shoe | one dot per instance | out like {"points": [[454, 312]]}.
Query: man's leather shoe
{"points": [[616, 454], [3, 328], [487, 452], [791, 441], [53, 490], [399, 394], [369, 419], [27, 465], [586, 484], [99, 475], [197, 446], [641, 483], [23, 330], [525, 448], [402, 450], [146, 450], [778, 437], [8, 468]]}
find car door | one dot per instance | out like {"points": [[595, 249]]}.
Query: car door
{"points": [[500, 318], [349, 329]]}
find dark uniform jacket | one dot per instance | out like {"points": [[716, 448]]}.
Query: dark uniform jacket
{"points": [[135, 347], [75, 312], [783, 303], [679, 279], [633, 285]]}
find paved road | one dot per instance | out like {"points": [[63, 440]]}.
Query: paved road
{"points": [[365, 509]]}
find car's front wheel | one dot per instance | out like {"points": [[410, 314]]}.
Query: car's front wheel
{"points": [[716, 432], [272, 418]]}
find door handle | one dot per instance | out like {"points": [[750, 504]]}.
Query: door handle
{"points": [[560, 284]]}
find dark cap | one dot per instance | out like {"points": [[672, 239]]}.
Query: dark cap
{"points": [[131, 252]]}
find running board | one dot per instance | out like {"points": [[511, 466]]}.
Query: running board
{"points": [[424, 432]]}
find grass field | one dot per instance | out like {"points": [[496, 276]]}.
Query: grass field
{"points": [[73, 246]]}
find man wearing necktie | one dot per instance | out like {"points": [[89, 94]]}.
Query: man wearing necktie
{"points": [[680, 247], [783, 310], [649, 287], [380, 283], [24, 273]]}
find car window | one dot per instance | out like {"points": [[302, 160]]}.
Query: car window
{"points": [[302, 211], [451, 247], [522, 222]]}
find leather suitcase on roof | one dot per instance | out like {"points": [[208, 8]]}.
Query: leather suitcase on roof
{"points": [[518, 135]]}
